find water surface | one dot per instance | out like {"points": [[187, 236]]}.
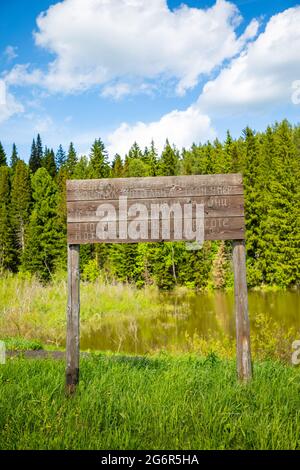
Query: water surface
{"points": [[182, 315]]}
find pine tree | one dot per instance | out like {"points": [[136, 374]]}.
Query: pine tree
{"points": [[169, 162], [39, 148], [48, 162], [72, 159], [228, 154], [7, 248], [252, 204], [126, 166], [151, 159], [187, 163], [20, 204], [14, 157], [60, 158], [3, 160], [117, 167], [137, 167], [35, 161], [81, 169], [284, 212], [135, 151], [98, 165], [45, 242], [218, 159]]}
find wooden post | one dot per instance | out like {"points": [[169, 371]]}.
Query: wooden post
{"points": [[244, 366], [73, 319]]}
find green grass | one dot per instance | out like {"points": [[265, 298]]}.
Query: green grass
{"points": [[22, 344], [159, 402], [31, 310]]}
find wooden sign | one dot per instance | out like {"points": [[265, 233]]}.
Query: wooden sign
{"points": [[143, 206], [152, 209]]}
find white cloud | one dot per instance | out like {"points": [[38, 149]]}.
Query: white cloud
{"points": [[182, 128], [8, 104], [21, 75], [43, 124], [2, 93], [96, 42], [116, 91], [10, 52], [262, 76]]}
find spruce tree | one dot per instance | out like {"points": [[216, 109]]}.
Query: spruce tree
{"points": [[60, 158], [39, 148], [117, 167], [72, 159], [7, 247], [135, 151], [3, 160], [48, 162], [45, 241], [98, 165], [20, 204], [283, 214], [187, 163], [228, 154], [151, 159], [35, 161], [137, 167], [14, 157], [169, 162], [253, 206], [217, 159], [81, 169]]}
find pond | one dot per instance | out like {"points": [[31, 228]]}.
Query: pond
{"points": [[182, 315]]}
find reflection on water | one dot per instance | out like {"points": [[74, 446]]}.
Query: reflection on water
{"points": [[185, 314]]}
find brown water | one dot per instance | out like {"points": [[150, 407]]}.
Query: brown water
{"points": [[182, 315]]}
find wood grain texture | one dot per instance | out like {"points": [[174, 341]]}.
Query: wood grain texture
{"points": [[244, 366], [221, 228], [73, 319], [214, 206], [154, 187], [221, 195]]}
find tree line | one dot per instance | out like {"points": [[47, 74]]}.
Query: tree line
{"points": [[33, 211]]}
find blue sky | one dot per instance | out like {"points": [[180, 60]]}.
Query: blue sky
{"points": [[127, 70]]}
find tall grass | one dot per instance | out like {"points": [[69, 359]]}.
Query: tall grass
{"points": [[159, 403], [33, 310], [123, 318]]}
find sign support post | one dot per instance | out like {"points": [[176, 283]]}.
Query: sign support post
{"points": [[243, 351], [73, 319]]}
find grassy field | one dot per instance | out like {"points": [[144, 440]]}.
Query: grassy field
{"points": [[159, 402], [183, 399]]}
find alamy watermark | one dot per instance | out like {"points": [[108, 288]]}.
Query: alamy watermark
{"points": [[154, 222], [2, 352], [296, 92]]}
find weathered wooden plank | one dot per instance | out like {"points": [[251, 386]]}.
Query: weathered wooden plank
{"points": [[244, 367], [154, 187], [214, 206], [221, 228], [73, 319]]}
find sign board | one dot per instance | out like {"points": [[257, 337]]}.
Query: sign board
{"points": [[153, 209], [130, 210]]}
